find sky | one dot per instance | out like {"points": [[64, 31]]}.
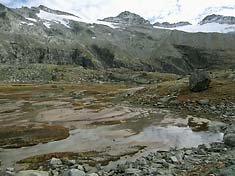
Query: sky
{"points": [[153, 10]]}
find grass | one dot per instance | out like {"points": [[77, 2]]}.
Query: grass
{"points": [[23, 136]]}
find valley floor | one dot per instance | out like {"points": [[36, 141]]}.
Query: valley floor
{"points": [[116, 117]]}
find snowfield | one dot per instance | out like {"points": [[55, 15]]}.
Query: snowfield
{"points": [[206, 28], [64, 19]]}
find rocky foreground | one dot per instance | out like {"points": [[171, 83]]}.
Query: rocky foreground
{"points": [[205, 160], [214, 159]]}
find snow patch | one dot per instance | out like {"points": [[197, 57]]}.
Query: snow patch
{"points": [[47, 24], [32, 19], [25, 23], [206, 28], [112, 25], [64, 19]]}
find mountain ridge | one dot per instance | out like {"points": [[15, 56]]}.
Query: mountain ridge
{"points": [[218, 19], [63, 40]]}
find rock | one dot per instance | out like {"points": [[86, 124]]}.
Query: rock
{"points": [[188, 152], [71, 162], [54, 163], [180, 156], [174, 159], [229, 139], [165, 99], [79, 167], [142, 162], [93, 174], [121, 168], [204, 102], [10, 169], [54, 173], [132, 171], [32, 173], [213, 108], [9, 172], [74, 172], [199, 81], [198, 124], [228, 171]]}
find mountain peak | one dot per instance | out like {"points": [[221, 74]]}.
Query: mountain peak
{"points": [[127, 14], [220, 19], [127, 17]]}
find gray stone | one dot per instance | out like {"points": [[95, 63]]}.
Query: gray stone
{"points": [[199, 81], [32, 173], [132, 171], [10, 169], [79, 167], [229, 139], [204, 102], [198, 124], [74, 172], [71, 162], [174, 159], [93, 174], [143, 162], [228, 171], [54, 163]]}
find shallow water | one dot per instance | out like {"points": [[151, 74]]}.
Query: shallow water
{"points": [[93, 130], [116, 139]]}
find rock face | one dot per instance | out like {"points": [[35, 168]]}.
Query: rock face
{"points": [[218, 19], [127, 18], [199, 81], [229, 139], [172, 25]]}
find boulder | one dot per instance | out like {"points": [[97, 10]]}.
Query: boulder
{"points": [[204, 102], [93, 174], [228, 171], [199, 81], [55, 163], [132, 171], [74, 172], [229, 139], [32, 173], [198, 124]]}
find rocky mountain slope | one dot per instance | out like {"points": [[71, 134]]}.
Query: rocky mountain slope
{"points": [[127, 18], [46, 36], [173, 25], [218, 19]]}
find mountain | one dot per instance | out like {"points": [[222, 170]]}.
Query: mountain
{"points": [[220, 19], [46, 36], [127, 18], [210, 24], [171, 25]]}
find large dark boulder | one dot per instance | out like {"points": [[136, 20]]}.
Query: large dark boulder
{"points": [[229, 139], [199, 81]]}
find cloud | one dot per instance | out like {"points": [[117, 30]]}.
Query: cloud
{"points": [[155, 10]]}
